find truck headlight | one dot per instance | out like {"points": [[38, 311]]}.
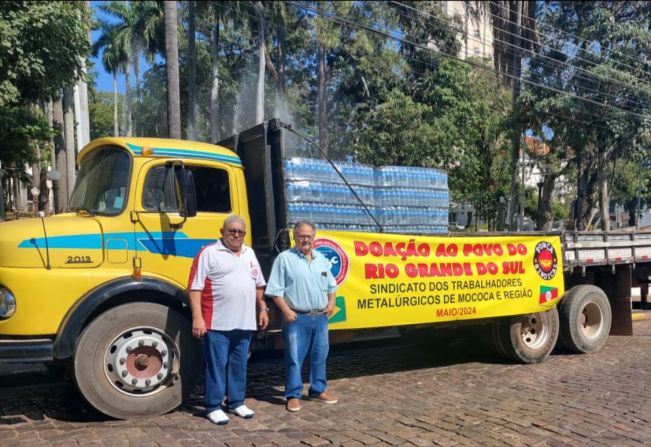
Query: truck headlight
{"points": [[7, 303]]}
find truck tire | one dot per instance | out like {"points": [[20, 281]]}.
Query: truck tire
{"points": [[586, 317], [136, 359], [526, 338]]}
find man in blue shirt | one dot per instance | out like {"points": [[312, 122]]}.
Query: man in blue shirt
{"points": [[303, 288]]}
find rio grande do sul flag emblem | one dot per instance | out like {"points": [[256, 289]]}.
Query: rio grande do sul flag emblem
{"points": [[547, 294]]}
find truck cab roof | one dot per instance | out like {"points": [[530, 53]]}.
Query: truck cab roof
{"points": [[165, 148]]}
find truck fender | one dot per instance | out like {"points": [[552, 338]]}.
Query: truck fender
{"points": [[108, 295]]}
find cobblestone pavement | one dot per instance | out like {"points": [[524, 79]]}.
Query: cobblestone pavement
{"points": [[390, 393]]}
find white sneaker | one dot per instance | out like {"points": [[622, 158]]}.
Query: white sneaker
{"points": [[243, 411], [218, 417]]}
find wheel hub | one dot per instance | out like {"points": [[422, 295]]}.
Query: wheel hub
{"points": [[139, 361], [591, 320], [533, 330]]}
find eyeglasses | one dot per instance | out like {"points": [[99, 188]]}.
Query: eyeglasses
{"points": [[304, 238], [235, 232]]}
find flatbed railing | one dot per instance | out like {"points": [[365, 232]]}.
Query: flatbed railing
{"points": [[583, 249]]}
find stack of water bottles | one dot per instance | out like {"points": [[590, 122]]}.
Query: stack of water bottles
{"points": [[412, 199], [401, 199]]}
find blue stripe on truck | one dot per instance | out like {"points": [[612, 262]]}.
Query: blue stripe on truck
{"points": [[169, 243], [171, 152]]}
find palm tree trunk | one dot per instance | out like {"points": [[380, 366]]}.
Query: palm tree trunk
{"points": [[214, 91], [172, 65], [259, 109], [116, 117], [136, 72], [36, 177], [53, 161], [192, 73], [69, 128], [127, 100], [84, 117], [61, 183], [79, 133]]}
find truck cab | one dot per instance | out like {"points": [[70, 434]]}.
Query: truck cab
{"points": [[140, 211]]}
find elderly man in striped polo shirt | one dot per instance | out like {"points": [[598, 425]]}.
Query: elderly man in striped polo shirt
{"points": [[225, 285]]}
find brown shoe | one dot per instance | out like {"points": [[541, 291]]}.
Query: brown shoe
{"points": [[325, 397], [293, 404]]}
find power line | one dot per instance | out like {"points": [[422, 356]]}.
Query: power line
{"points": [[576, 37], [350, 23], [539, 54], [354, 24], [520, 25], [598, 94], [547, 112]]}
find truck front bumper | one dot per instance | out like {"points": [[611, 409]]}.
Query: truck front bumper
{"points": [[26, 350]]}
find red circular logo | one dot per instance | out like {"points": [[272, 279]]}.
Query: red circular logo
{"points": [[545, 261], [336, 255]]}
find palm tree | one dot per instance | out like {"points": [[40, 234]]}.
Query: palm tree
{"points": [[172, 65], [139, 29], [192, 72], [115, 59], [124, 35]]}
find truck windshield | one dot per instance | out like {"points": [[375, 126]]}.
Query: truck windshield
{"points": [[103, 182]]}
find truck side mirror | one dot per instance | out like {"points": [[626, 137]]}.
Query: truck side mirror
{"points": [[187, 193]]}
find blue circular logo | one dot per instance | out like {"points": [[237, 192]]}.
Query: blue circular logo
{"points": [[335, 255]]}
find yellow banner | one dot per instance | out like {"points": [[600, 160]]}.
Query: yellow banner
{"points": [[389, 279]]}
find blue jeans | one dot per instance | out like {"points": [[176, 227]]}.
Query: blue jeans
{"points": [[306, 334], [226, 354]]}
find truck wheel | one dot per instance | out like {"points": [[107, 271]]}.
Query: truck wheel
{"points": [[136, 359], [527, 338], [585, 319]]}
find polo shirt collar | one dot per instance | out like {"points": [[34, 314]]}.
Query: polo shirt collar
{"points": [[222, 247], [301, 255]]}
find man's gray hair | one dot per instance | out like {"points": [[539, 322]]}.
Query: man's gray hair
{"points": [[302, 222], [232, 219]]}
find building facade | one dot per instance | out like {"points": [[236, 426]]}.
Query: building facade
{"points": [[474, 25]]}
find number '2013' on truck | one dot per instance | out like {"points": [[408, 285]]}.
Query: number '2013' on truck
{"points": [[103, 287]]}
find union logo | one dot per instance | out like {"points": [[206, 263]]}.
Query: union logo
{"points": [[545, 261], [335, 255]]}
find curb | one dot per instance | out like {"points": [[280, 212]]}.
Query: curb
{"points": [[639, 315]]}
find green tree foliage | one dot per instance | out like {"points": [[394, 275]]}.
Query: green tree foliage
{"points": [[598, 110], [41, 48], [21, 128], [101, 114], [397, 94]]}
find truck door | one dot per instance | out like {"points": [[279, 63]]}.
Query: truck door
{"points": [[166, 242]]}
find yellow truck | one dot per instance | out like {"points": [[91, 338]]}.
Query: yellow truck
{"points": [[103, 288]]}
